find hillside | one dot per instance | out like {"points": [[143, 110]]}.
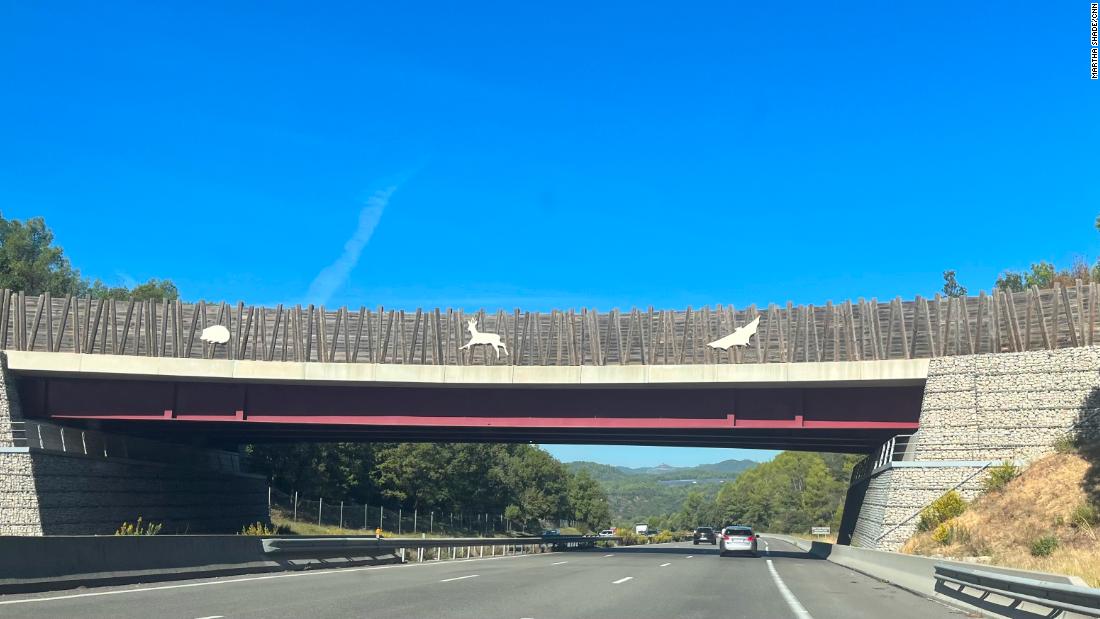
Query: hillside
{"points": [[1054, 498], [644, 492]]}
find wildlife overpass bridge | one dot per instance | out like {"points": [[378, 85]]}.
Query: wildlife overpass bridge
{"points": [[118, 391], [839, 377]]}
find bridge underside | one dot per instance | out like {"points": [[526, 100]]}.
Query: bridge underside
{"points": [[838, 419]]}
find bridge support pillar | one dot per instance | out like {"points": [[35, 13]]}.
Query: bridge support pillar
{"points": [[977, 411], [58, 480]]}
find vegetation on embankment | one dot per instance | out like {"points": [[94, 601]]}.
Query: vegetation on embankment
{"points": [[1046, 519]]}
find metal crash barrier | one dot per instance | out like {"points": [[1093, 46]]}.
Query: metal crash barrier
{"points": [[1071, 598], [428, 548]]}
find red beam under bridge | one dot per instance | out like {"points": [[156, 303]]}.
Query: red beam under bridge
{"points": [[818, 418]]}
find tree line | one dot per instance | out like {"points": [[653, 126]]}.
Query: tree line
{"points": [[789, 494], [523, 482], [30, 262], [1041, 274]]}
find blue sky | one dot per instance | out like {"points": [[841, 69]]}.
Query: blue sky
{"points": [[565, 155]]}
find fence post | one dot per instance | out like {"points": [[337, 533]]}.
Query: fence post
{"points": [[365, 507], [341, 514], [320, 505], [380, 514], [414, 520], [295, 517], [399, 521], [431, 523], [268, 497]]}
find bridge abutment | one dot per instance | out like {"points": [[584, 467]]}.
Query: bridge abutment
{"points": [[977, 411], [57, 480]]}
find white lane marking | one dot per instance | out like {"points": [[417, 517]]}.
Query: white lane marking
{"points": [[766, 549], [459, 578], [665, 565], [559, 563], [689, 556], [622, 580], [609, 555], [212, 617], [206, 583], [796, 606]]}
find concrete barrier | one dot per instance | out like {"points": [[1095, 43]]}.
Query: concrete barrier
{"points": [[29, 564], [917, 574]]}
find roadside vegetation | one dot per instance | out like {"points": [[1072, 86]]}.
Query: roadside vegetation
{"points": [[521, 485], [1043, 518]]}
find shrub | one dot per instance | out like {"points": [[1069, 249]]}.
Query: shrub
{"points": [[951, 533], [262, 528], [150, 528], [1000, 475], [1066, 444], [1044, 546], [948, 506], [942, 534], [1084, 515], [662, 538]]}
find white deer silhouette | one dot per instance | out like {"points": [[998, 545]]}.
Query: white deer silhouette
{"points": [[477, 337]]}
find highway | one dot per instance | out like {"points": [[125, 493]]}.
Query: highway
{"points": [[658, 581]]}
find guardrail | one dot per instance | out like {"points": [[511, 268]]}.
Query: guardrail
{"points": [[486, 546], [1082, 600]]}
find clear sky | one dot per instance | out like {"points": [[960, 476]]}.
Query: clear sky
{"points": [[570, 154]]}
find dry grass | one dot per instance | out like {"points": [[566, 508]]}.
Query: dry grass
{"points": [[828, 539], [1002, 525]]}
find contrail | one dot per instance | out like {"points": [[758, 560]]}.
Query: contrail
{"points": [[335, 275]]}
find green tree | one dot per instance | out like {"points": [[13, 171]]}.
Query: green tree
{"points": [[30, 262], [951, 286], [588, 501]]}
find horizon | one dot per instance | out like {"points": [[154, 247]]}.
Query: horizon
{"points": [[422, 157]]}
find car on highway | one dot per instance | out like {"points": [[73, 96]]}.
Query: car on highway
{"points": [[551, 533], [704, 534], [737, 539], [607, 533]]}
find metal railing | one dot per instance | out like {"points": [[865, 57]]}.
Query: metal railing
{"points": [[428, 549], [64, 439], [898, 449], [1071, 598]]}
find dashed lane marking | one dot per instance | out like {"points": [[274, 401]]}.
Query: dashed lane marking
{"points": [[665, 564], [622, 580], [459, 578], [208, 583], [559, 563]]}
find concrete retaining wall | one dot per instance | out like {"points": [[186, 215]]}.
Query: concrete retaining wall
{"points": [[51, 563]]}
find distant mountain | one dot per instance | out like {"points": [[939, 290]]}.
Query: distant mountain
{"points": [[643, 492]]}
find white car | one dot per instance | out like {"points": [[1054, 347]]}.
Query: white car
{"points": [[737, 539], [607, 533]]}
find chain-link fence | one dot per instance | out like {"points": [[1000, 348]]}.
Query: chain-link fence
{"points": [[392, 520]]}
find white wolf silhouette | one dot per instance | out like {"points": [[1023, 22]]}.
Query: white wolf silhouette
{"points": [[477, 337], [739, 337]]}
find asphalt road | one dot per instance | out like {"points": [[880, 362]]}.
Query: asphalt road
{"points": [[659, 581]]}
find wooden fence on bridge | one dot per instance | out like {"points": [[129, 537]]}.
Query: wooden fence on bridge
{"points": [[921, 328]]}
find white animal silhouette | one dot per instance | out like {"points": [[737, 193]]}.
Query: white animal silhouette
{"points": [[476, 337], [216, 334], [739, 337]]}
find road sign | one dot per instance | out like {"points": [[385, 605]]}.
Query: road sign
{"points": [[820, 530]]}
